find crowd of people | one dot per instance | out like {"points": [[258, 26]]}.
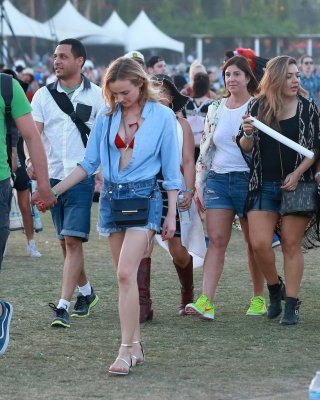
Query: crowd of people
{"points": [[169, 152]]}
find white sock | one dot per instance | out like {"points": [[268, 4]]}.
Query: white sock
{"points": [[86, 289], [31, 242], [64, 304]]}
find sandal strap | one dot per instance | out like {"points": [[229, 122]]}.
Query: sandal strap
{"points": [[137, 360], [124, 360], [126, 345]]}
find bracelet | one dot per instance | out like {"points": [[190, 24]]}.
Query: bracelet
{"points": [[248, 137], [54, 193], [27, 160], [190, 190], [316, 174]]}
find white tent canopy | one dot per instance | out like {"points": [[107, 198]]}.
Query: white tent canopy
{"points": [[143, 34], [115, 30], [22, 25], [69, 23]]}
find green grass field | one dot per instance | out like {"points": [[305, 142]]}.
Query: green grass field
{"points": [[232, 357]]}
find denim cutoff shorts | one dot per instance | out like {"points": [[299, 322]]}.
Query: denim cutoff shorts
{"points": [[270, 199], [71, 215], [129, 190], [226, 191]]}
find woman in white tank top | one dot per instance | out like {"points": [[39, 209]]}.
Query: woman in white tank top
{"points": [[222, 179]]}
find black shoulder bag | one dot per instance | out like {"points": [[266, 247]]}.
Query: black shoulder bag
{"points": [[127, 213], [302, 200], [66, 106]]}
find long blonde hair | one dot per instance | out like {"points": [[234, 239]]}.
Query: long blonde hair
{"points": [[125, 68], [270, 96]]}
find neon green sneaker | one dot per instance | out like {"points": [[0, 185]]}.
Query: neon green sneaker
{"points": [[202, 306], [257, 306]]}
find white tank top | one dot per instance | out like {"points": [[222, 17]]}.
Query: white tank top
{"points": [[227, 156], [180, 139]]}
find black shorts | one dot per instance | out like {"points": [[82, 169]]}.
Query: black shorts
{"points": [[22, 180]]}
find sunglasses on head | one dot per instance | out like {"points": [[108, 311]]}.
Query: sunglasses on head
{"points": [[308, 62]]}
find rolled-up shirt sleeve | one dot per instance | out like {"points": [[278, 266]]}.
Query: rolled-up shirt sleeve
{"points": [[170, 159], [92, 159]]}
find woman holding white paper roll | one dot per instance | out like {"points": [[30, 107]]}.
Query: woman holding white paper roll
{"points": [[275, 167]]}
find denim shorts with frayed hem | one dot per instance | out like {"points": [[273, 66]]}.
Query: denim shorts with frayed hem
{"points": [[226, 191], [71, 215], [129, 190], [270, 199]]}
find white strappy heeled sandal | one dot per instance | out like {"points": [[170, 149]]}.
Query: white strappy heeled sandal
{"points": [[118, 371]]}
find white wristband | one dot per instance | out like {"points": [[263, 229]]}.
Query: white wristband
{"points": [[316, 174]]}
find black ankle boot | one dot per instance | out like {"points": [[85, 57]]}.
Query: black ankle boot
{"points": [[291, 311], [276, 294]]}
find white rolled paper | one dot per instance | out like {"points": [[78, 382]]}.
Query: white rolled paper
{"points": [[282, 139]]}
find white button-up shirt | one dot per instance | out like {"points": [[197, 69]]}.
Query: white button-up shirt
{"points": [[61, 137]]}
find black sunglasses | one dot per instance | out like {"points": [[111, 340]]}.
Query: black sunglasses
{"points": [[308, 62]]}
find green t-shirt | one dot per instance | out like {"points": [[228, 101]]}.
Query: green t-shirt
{"points": [[19, 107]]}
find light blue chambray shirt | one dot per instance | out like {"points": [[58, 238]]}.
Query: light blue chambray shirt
{"points": [[155, 147]]}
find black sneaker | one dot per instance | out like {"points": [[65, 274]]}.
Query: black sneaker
{"points": [[84, 304], [61, 319]]}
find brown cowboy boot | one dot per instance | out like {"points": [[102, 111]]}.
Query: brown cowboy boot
{"points": [[186, 279], [143, 277]]}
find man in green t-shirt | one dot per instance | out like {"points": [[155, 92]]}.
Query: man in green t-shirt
{"points": [[21, 113]]}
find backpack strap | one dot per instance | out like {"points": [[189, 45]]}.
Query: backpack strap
{"points": [[66, 106], [7, 94], [196, 108]]}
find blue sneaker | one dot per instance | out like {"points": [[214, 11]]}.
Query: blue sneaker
{"points": [[276, 240], [61, 317], [84, 304], [5, 319]]}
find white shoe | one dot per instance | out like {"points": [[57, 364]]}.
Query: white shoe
{"points": [[32, 250]]}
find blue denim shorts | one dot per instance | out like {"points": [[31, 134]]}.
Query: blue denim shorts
{"points": [[270, 199], [129, 190], [71, 215], [226, 191]]}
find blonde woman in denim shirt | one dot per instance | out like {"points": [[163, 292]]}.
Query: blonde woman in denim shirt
{"points": [[142, 141]]}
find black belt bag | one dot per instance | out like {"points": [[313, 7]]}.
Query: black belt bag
{"points": [[130, 212]]}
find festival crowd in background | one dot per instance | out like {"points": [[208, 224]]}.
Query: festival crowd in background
{"points": [[181, 138]]}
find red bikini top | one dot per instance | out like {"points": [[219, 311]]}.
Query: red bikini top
{"points": [[120, 144]]}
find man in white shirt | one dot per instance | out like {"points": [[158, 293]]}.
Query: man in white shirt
{"points": [[65, 147]]}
